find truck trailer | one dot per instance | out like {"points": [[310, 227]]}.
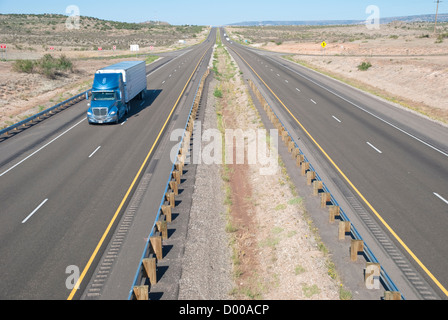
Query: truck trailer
{"points": [[113, 89]]}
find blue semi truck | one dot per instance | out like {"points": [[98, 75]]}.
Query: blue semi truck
{"points": [[113, 89]]}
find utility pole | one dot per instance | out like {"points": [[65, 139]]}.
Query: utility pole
{"points": [[437, 11]]}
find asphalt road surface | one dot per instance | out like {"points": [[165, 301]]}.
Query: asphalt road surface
{"points": [[64, 183], [394, 162]]}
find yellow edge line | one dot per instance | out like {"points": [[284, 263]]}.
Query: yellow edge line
{"points": [[95, 252], [354, 188]]}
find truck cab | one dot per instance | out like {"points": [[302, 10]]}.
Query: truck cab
{"points": [[107, 104], [113, 89]]}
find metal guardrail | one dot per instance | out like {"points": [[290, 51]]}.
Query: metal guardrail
{"points": [[64, 104], [386, 281], [146, 267]]}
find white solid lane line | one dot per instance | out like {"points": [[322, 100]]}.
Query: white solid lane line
{"points": [[440, 197], [91, 155], [376, 149], [34, 211], [41, 148]]}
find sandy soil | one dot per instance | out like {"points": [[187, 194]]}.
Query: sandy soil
{"points": [[407, 67]]}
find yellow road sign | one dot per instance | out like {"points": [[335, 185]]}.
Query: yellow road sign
{"points": [[323, 44]]}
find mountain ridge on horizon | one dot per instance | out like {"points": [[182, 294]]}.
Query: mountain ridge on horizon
{"points": [[442, 17]]}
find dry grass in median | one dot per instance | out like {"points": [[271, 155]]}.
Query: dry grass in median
{"points": [[277, 253]]}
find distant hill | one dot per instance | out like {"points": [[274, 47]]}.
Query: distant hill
{"points": [[443, 17]]}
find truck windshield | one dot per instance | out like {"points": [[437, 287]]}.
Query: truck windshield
{"points": [[99, 96]]}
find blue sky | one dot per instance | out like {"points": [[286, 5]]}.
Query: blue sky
{"points": [[207, 12]]}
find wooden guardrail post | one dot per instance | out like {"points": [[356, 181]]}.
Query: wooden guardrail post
{"points": [[141, 292], [333, 212], [305, 167], [174, 187], [176, 176], [300, 158], [344, 227], [180, 167], [151, 269], [310, 176], [156, 243], [291, 145], [166, 210], [356, 246], [295, 152], [162, 227], [317, 185], [170, 198], [392, 295], [325, 197]]}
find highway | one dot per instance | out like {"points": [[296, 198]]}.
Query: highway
{"points": [[394, 162], [64, 183]]}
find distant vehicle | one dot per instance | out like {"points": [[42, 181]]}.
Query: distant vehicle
{"points": [[113, 89], [227, 39]]}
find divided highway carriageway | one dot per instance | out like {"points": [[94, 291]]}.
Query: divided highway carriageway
{"points": [[64, 183], [389, 165]]}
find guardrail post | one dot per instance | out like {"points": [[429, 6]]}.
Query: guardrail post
{"points": [[176, 176], [344, 227], [305, 167], [333, 212], [356, 246], [166, 210], [180, 167], [141, 292], [325, 197], [317, 185], [162, 227], [310, 176], [295, 152], [392, 295], [300, 158], [170, 198], [151, 268], [156, 243], [173, 186]]}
